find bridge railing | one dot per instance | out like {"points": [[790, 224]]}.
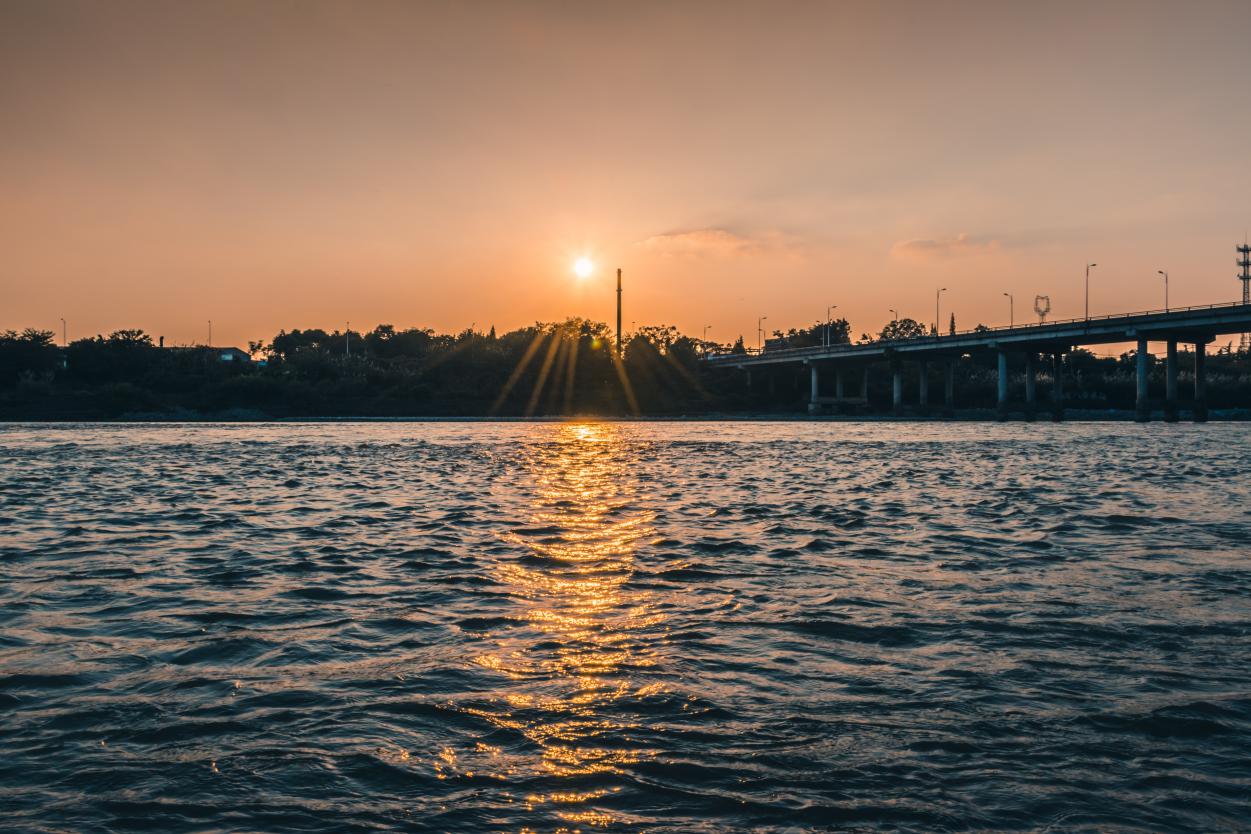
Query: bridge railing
{"points": [[1003, 328]]}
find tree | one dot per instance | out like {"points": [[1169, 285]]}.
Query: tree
{"points": [[953, 324], [902, 329], [838, 332], [30, 352]]}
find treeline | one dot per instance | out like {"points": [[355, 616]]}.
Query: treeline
{"points": [[570, 367], [565, 368]]}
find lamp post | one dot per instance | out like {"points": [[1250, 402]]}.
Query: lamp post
{"points": [[347, 338], [210, 341], [760, 331], [1164, 272], [1011, 314], [937, 318], [1088, 266], [618, 311], [704, 341], [64, 338], [894, 313], [828, 310]]}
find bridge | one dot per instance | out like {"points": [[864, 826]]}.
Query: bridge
{"points": [[1198, 326]]}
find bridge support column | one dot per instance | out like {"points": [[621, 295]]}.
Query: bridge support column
{"points": [[949, 387], [1002, 407], [838, 383], [897, 388], [1143, 407], [1031, 385], [1201, 383], [1057, 387], [1170, 383], [864, 385], [923, 390], [814, 405]]}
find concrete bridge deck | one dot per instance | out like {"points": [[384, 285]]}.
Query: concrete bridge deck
{"points": [[1188, 325]]}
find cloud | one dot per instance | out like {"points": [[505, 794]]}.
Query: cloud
{"points": [[961, 245], [719, 242]]}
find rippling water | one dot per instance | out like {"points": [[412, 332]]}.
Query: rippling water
{"points": [[625, 627]]}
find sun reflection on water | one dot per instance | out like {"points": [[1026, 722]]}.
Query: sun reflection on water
{"points": [[573, 661]]}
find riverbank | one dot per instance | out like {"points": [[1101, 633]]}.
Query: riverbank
{"points": [[960, 415]]}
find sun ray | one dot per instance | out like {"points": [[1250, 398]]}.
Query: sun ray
{"points": [[619, 367], [531, 350], [571, 374], [543, 372]]}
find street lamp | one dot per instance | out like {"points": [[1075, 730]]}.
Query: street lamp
{"points": [[210, 341], [1165, 274], [894, 313], [1088, 266], [937, 296], [64, 339], [1011, 315], [760, 331], [827, 322]]}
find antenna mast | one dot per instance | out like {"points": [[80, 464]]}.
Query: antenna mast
{"points": [[1244, 261]]}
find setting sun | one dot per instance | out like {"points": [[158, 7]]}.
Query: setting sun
{"points": [[582, 267]]}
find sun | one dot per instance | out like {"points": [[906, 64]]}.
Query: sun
{"points": [[582, 267]]}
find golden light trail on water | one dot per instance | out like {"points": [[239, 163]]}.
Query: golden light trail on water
{"points": [[574, 660]]}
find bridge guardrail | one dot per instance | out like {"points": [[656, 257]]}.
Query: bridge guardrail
{"points": [[799, 351]]}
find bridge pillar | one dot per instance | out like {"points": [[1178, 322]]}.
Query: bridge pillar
{"points": [[838, 382], [1031, 385], [864, 385], [1143, 407], [814, 405], [1057, 386], [897, 387], [1170, 383], [1002, 408], [949, 387], [923, 391], [1201, 383]]}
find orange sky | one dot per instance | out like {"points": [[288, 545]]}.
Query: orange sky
{"points": [[294, 164]]}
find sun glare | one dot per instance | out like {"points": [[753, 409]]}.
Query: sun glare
{"points": [[582, 267]]}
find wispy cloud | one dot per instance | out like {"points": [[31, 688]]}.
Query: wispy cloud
{"points": [[961, 245], [720, 242]]}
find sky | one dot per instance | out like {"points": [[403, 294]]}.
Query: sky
{"points": [[277, 164]]}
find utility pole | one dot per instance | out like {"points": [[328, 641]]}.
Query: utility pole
{"points": [[618, 311]]}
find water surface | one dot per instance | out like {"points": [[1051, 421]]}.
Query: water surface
{"points": [[654, 627]]}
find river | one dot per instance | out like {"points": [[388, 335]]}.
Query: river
{"points": [[661, 627]]}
